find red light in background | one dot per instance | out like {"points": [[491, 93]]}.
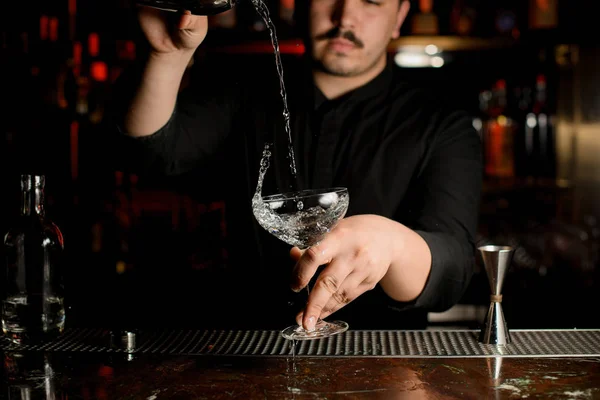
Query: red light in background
{"points": [[118, 178], [99, 71], [126, 49], [295, 47], [60, 90], [541, 79], [426, 6], [106, 371], [101, 393], [44, 27], [516, 33], [53, 29], [130, 49], [77, 58], [72, 7], [94, 44], [543, 5]]}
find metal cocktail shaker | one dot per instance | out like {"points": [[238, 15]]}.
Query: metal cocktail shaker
{"points": [[197, 7]]}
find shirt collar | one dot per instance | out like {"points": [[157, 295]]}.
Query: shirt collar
{"points": [[371, 89]]}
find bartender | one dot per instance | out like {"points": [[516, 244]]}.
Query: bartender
{"points": [[411, 162]]}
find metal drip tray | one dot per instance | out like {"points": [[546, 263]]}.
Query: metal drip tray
{"points": [[441, 343]]}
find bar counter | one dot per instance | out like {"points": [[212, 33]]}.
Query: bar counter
{"points": [[188, 364]]}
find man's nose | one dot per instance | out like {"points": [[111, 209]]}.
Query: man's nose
{"points": [[346, 14]]}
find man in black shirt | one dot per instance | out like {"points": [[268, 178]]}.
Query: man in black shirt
{"points": [[411, 163]]}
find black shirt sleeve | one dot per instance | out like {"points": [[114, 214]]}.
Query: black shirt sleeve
{"points": [[201, 122], [447, 190]]}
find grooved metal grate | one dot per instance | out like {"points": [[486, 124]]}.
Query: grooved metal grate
{"points": [[430, 343]]}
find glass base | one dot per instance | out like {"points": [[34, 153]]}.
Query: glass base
{"points": [[323, 329]]}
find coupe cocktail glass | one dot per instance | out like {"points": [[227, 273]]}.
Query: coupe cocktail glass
{"points": [[302, 219]]}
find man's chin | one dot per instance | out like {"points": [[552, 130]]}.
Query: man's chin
{"points": [[339, 68]]}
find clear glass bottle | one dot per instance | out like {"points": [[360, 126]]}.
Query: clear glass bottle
{"points": [[32, 304], [31, 375]]}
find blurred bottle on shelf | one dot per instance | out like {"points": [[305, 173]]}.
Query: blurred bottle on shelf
{"points": [[499, 135], [543, 14], [506, 21], [463, 17], [425, 21], [480, 120], [524, 142], [543, 122], [483, 112], [286, 12]]}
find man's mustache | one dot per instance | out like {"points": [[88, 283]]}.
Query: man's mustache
{"points": [[337, 33]]}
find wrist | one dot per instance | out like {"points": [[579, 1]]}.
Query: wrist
{"points": [[175, 59], [410, 265], [167, 68]]}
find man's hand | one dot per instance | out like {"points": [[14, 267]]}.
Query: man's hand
{"points": [[164, 38], [173, 39], [358, 252]]}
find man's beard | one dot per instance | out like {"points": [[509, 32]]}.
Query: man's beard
{"points": [[339, 69], [337, 66]]}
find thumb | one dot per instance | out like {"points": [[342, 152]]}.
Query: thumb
{"points": [[185, 20], [190, 22], [296, 253]]}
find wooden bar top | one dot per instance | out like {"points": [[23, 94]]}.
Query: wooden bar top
{"points": [[153, 377], [196, 364]]}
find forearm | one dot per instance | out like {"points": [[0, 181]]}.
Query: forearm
{"points": [[410, 267], [154, 101]]}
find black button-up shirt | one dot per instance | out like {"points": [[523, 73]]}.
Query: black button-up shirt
{"points": [[403, 153]]}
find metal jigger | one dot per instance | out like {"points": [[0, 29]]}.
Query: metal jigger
{"points": [[496, 260], [494, 365]]}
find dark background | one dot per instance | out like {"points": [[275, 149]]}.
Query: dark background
{"points": [[128, 238]]}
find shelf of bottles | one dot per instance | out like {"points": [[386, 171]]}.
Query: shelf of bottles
{"points": [[86, 44], [450, 25], [61, 57]]}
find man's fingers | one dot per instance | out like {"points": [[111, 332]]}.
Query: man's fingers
{"points": [[193, 24], [299, 318], [185, 20], [310, 261], [328, 284], [354, 286], [296, 253]]}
